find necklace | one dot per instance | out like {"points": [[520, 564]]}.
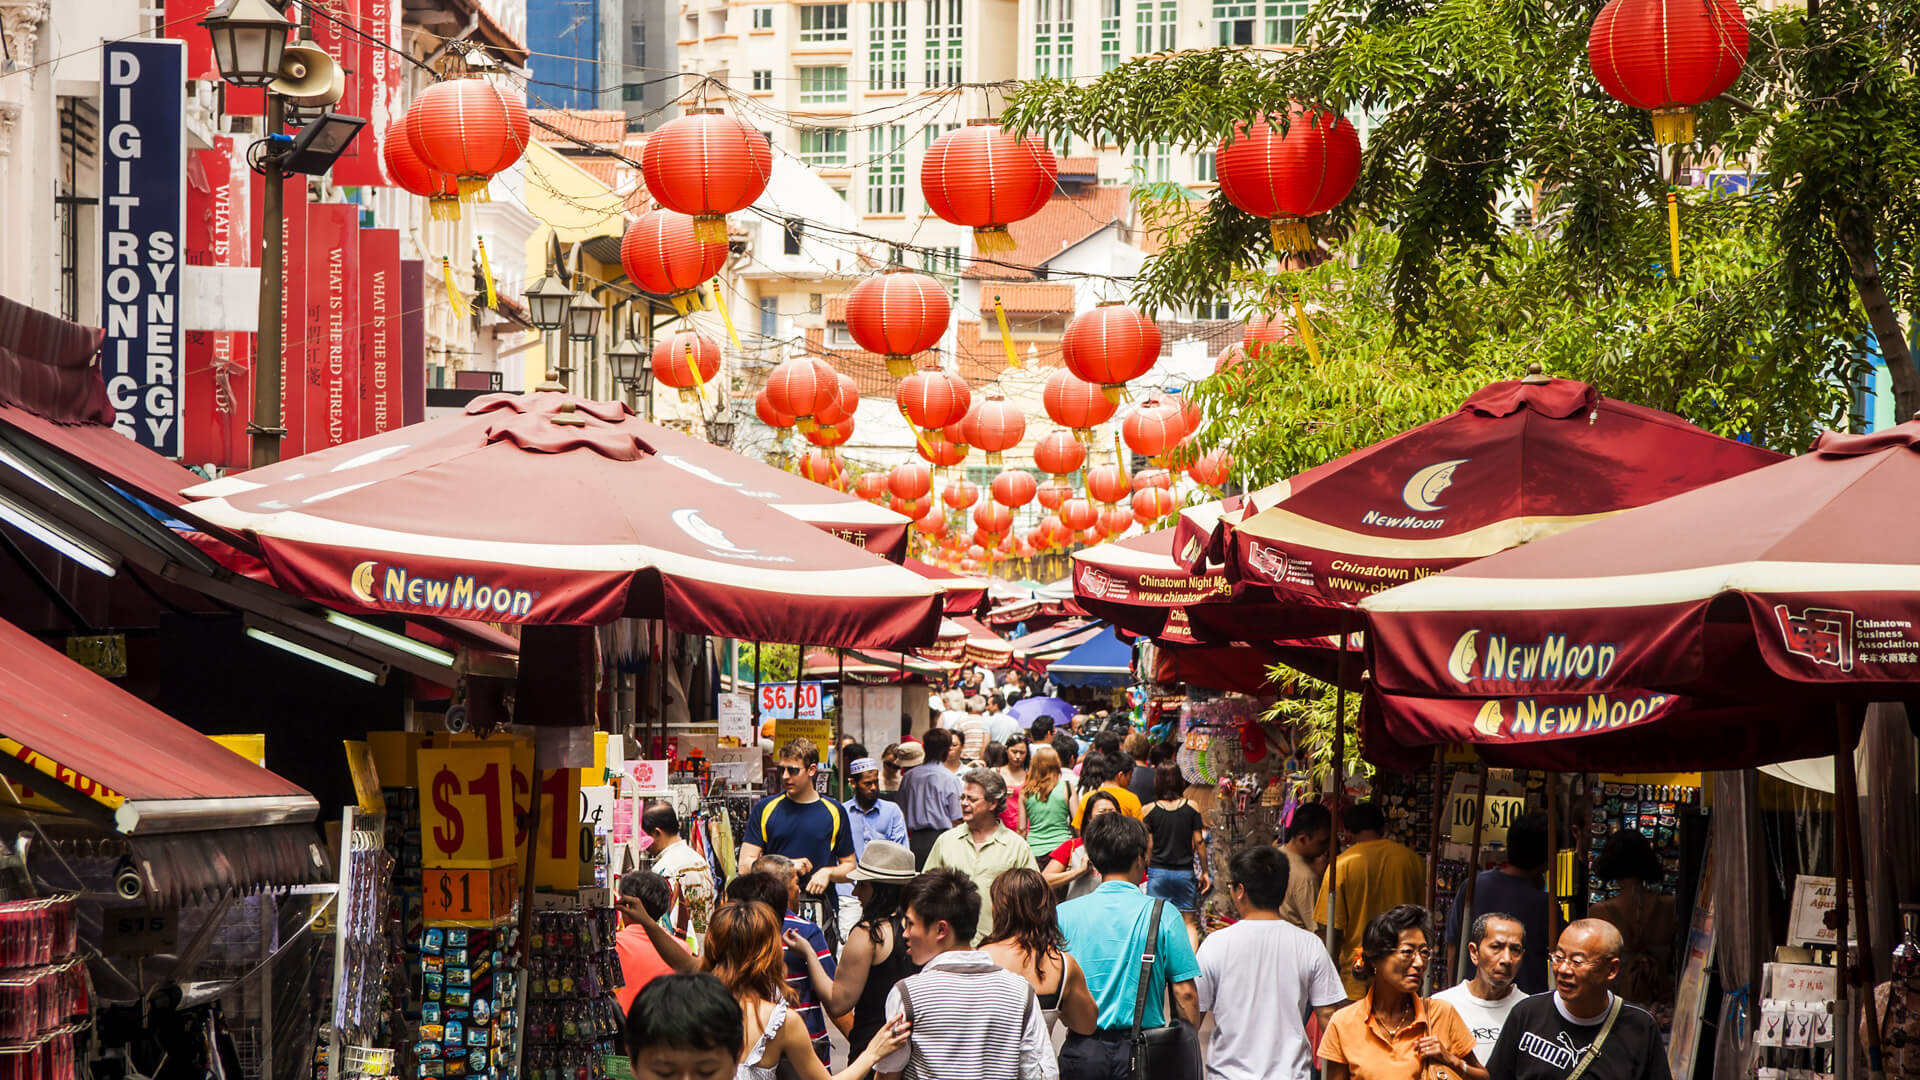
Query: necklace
{"points": [[1394, 1029]]}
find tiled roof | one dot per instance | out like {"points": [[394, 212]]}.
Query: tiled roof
{"points": [[1038, 298], [1080, 166], [982, 359], [1064, 221], [1217, 333], [602, 127]]}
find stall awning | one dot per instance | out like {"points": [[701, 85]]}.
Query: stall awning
{"points": [[1102, 660], [72, 742]]}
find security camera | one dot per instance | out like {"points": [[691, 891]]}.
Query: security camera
{"points": [[128, 882]]}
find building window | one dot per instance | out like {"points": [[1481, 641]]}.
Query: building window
{"points": [[887, 45], [839, 337], [813, 303], [1235, 21], [823, 85], [1154, 26], [1284, 20], [823, 148], [633, 92], [1203, 168], [1153, 163], [763, 18], [944, 264], [769, 317], [1053, 39], [823, 22], [943, 42], [1109, 34], [763, 79], [887, 169], [636, 44], [792, 232]]}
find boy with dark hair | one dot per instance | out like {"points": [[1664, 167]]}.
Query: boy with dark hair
{"points": [[685, 1027], [1261, 976], [967, 1012], [640, 962]]}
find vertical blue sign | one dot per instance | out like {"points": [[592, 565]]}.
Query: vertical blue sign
{"points": [[143, 175]]}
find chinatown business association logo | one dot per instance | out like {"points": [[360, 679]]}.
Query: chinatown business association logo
{"points": [[1268, 562], [461, 594], [1101, 585], [1823, 635]]}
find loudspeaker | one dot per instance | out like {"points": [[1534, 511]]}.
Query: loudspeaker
{"points": [[309, 77]]}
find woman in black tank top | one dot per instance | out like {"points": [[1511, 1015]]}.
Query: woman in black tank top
{"points": [[872, 961]]}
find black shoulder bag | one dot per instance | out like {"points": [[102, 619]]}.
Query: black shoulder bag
{"points": [[1170, 1051]]}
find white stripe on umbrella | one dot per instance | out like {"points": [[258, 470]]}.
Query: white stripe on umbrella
{"points": [[1281, 526], [876, 581], [1459, 591]]}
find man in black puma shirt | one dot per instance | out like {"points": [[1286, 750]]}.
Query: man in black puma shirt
{"points": [[1550, 1036]]}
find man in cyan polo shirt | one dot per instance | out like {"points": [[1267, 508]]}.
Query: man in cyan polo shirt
{"points": [[1106, 932]]}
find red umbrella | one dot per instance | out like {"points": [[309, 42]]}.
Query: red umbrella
{"points": [[1519, 461], [963, 594], [849, 517], [1138, 585], [548, 509]]}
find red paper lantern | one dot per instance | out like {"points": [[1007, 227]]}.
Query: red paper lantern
{"points": [[1092, 535], [687, 362], [1152, 478], [897, 314], [932, 523], [770, 416], [663, 254], [1036, 537], [1115, 520], [1111, 345], [911, 480], [1212, 468], [1108, 483], [995, 426], [819, 466], [981, 177], [1015, 487], [960, 431], [845, 403], [1668, 57], [935, 448], [412, 174], [1059, 453], [708, 165], [871, 486], [1054, 492], [1152, 504], [1186, 411], [1261, 332], [803, 388], [961, 494], [1054, 531], [469, 128], [1152, 428], [993, 517], [933, 399], [976, 553], [1073, 402], [831, 435], [1287, 178], [1078, 514]]}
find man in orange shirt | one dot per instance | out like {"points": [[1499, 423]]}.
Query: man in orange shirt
{"points": [[640, 962]]}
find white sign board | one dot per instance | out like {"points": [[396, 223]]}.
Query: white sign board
{"points": [[1813, 897], [736, 720]]}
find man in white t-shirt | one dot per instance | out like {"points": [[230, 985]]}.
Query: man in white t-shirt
{"points": [[685, 869], [1260, 977], [1495, 945]]}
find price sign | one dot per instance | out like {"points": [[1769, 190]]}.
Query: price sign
{"points": [[466, 809], [520, 752], [1504, 802], [468, 896], [556, 855], [145, 931], [735, 714], [777, 701]]}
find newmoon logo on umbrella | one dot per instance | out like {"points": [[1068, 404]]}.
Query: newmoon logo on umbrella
{"points": [[460, 594], [1427, 484]]}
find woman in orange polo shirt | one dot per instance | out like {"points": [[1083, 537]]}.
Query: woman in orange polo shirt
{"points": [[1393, 1033]]}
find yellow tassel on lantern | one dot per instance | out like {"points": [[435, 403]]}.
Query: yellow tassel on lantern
{"points": [[486, 272], [474, 188], [1290, 234], [443, 207], [454, 299], [710, 228], [1673, 126], [1006, 335], [992, 239], [720, 305], [921, 438], [900, 365], [686, 303], [1673, 231], [699, 381], [1306, 328]]}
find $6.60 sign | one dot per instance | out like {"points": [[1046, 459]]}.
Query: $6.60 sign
{"points": [[466, 806], [777, 700]]}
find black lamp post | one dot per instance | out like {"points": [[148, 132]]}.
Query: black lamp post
{"points": [[548, 301], [249, 37]]}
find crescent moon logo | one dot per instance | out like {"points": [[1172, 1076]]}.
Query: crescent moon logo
{"points": [[694, 525], [1489, 721], [361, 583], [1460, 661], [1426, 485]]}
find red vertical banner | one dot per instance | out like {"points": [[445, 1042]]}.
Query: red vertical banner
{"points": [[380, 345], [373, 79], [293, 304], [333, 328], [413, 341], [218, 397], [183, 24]]}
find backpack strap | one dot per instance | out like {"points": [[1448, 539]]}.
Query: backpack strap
{"points": [[1147, 956]]}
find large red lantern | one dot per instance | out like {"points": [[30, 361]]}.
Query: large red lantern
{"points": [[980, 176], [687, 362], [932, 523], [1111, 346], [1152, 503], [897, 314], [1015, 487], [961, 494], [662, 253], [1108, 483], [1153, 427], [708, 165], [1212, 468], [845, 403], [780, 422], [1152, 478], [1289, 177], [1668, 56], [803, 388], [1078, 514], [911, 480], [469, 128], [938, 450], [993, 517], [831, 435], [1052, 493], [1261, 332], [1186, 412], [1092, 535], [1054, 531], [412, 174], [1115, 520], [933, 399], [995, 427], [1073, 402], [1058, 453], [819, 466], [871, 486]]}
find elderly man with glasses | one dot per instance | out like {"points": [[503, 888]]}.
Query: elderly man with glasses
{"points": [[1582, 1028]]}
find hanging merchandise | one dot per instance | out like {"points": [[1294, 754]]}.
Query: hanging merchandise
{"points": [[573, 1019], [469, 1004], [43, 988]]}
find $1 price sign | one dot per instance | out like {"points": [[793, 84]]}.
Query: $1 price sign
{"points": [[466, 809]]}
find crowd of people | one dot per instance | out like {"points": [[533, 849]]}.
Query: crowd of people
{"points": [[989, 891]]}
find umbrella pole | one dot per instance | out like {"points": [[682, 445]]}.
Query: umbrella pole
{"points": [[1339, 787], [1465, 900], [1433, 856], [1553, 866], [799, 669], [1847, 808]]}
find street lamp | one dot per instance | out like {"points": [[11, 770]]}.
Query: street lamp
{"points": [[720, 431], [249, 37], [547, 303], [583, 317]]}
